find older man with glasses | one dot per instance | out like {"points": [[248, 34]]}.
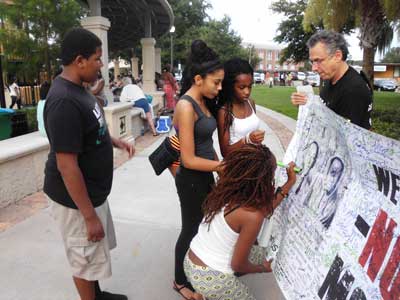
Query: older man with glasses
{"points": [[343, 90]]}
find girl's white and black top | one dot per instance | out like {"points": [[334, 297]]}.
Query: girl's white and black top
{"points": [[215, 242], [241, 127]]}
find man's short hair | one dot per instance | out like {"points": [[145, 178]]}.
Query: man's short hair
{"points": [[78, 41], [332, 40]]}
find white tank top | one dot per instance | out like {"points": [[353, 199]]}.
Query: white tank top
{"points": [[241, 127], [214, 243]]}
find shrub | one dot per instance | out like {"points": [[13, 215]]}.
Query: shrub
{"points": [[387, 122]]}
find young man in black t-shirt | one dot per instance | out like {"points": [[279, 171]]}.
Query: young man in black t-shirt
{"points": [[79, 169], [344, 91]]}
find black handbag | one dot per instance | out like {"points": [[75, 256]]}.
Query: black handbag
{"points": [[163, 156]]}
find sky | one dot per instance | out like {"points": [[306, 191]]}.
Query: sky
{"points": [[256, 23]]}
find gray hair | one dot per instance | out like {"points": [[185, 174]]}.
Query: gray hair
{"points": [[332, 40], [126, 81]]}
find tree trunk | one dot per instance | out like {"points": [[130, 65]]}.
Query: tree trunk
{"points": [[371, 29], [47, 61], [368, 63]]}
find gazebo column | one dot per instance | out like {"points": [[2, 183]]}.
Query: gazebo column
{"points": [[148, 55], [99, 26], [158, 59], [116, 68], [135, 67]]}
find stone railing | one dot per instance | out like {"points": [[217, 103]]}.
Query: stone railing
{"points": [[22, 159], [22, 162]]}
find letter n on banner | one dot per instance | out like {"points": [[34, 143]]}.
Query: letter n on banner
{"points": [[377, 245], [390, 281], [335, 288]]}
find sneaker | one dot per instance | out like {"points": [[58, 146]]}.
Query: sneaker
{"points": [[110, 296]]}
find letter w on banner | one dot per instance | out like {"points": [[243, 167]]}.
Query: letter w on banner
{"points": [[337, 234]]}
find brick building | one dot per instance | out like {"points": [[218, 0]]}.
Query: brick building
{"points": [[269, 54]]}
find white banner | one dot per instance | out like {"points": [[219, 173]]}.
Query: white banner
{"points": [[337, 234]]}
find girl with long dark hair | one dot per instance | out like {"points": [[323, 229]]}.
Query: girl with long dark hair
{"points": [[238, 123], [195, 124]]}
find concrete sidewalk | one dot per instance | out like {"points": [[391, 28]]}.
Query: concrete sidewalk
{"points": [[147, 218]]}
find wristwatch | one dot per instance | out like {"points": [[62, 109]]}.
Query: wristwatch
{"points": [[279, 190]]}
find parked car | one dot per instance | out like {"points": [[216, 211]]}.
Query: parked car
{"points": [[385, 85], [294, 75], [301, 76], [178, 76], [258, 78], [312, 79]]}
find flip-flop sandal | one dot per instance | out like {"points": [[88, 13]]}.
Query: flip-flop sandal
{"points": [[178, 290]]}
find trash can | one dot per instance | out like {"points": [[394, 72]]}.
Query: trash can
{"points": [[5, 123], [19, 124]]}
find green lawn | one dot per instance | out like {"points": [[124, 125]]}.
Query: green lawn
{"points": [[385, 118], [276, 98]]}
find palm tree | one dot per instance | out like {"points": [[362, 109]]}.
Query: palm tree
{"points": [[375, 20]]}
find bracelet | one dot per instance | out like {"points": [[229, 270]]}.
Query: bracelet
{"points": [[279, 190], [248, 140]]}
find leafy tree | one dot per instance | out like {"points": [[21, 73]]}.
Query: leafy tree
{"points": [[192, 22], [190, 15], [392, 56], [374, 18], [291, 31], [223, 40], [35, 29]]}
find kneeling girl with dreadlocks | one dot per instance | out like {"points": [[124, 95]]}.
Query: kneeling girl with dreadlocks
{"points": [[233, 214]]}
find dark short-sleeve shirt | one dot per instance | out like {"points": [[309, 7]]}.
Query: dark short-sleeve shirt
{"points": [[350, 97], [75, 123]]}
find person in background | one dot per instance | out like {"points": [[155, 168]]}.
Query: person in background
{"points": [[133, 93], [15, 94], [97, 89], [170, 88]]}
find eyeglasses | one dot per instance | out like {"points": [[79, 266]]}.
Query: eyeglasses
{"points": [[319, 61]]}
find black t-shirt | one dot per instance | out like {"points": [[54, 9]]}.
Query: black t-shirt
{"points": [[350, 98], [75, 123]]}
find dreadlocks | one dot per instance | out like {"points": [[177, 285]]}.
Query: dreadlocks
{"points": [[247, 180]]}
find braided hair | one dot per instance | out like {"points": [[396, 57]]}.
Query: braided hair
{"points": [[247, 180], [233, 68]]}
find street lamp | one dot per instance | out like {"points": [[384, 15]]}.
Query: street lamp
{"points": [[171, 31]]}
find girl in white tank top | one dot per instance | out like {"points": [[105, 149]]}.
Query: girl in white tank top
{"points": [[238, 123], [233, 214]]}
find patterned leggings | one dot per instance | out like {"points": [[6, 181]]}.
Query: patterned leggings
{"points": [[215, 285]]}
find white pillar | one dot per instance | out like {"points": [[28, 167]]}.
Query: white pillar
{"points": [[158, 59], [148, 56], [135, 67], [99, 26], [116, 68]]}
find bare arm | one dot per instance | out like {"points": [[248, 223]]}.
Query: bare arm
{"points": [[98, 87], [250, 225], [123, 145], [67, 164], [286, 187], [256, 136], [223, 136], [184, 119]]}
